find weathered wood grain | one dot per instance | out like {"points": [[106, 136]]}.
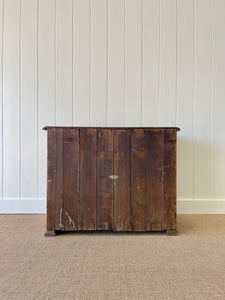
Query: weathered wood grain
{"points": [[155, 179], [139, 154], [104, 179], [146, 180], [51, 158], [55, 179], [111, 178], [170, 179], [70, 200], [88, 164], [122, 145]]}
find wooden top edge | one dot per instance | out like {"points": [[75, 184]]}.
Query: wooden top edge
{"points": [[80, 127]]}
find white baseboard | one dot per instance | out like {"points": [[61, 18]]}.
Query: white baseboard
{"points": [[201, 206], [38, 206], [23, 206]]}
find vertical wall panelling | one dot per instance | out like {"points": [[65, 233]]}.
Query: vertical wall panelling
{"points": [[185, 97], [99, 62], [112, 63], [150, 63], [167, 86], [46, 84], [203, 84], [81, 49], [116, 62], [28, 79], [11, 100], [1, 90], [64, 91], [133, 53], [218, 104]]}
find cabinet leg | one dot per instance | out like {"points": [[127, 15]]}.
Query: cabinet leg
{"points": [[171, 232], [50, 233]]}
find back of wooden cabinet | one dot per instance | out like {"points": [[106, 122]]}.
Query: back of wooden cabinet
{"points": [[119, 179]]}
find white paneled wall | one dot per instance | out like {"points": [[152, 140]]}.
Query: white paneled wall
{"points": [[112, 63]]}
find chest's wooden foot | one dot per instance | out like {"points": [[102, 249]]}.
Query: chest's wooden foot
{"points": [[50, 233], [171, 232]]}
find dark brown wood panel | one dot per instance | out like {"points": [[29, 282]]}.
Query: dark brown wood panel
{"points": [[88, 148], [170, 179], [139, 155], [155, 180], [51, 158], [121, 180], [54, 179], [111, 178], [146, 180], [104, 179], [71, 179]]}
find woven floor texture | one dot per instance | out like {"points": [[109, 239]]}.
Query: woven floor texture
{"points": [[112, 266]]}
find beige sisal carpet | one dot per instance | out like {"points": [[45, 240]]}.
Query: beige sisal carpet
{"points": [[112, 266]]}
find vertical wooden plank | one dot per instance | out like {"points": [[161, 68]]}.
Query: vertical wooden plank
{"points": [[64, 65], [115, 63], [170, 179], [150, 63], [70, 195], [121, 187], [167, 86], [88, 149], [185, 96], [147, 179], [133, 50], [98, 62], [81, 62], [55, 179], [58, 207], [203, 93], [11, 99], [105, 179], [28, 99], [1, 92], [155, 179], [51, 159], [46, 84], [138, 181], [218, 100]]}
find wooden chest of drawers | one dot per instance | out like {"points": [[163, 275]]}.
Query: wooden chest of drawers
{"points": [[120, 179]]}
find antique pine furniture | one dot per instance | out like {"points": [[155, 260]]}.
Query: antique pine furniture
{"points": [[120, 179]]}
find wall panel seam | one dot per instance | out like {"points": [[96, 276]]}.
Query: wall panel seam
{"points": [[20, 110], [90, 37], [124, 35], [2, 94], [176, 109], [142, 21], [55, 62], [37, 104], [212, 104], [107, 62], [72, 64], [159, 74], [194, 92]]}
